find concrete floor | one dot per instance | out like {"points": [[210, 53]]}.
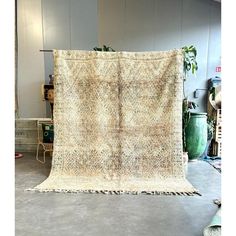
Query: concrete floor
{"points": [[49, 214]]}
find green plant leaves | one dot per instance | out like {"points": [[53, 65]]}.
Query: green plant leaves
{"points": [[193, 68], [190, 62], [104, 48], [97, 49]]}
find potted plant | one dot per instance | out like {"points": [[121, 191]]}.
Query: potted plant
{"points": [[104, 49], [187, 107], [194, 123]]}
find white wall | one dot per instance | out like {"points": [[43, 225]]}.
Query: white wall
{"points": [[49, 24], [128, 25], [68, 24], [146, 25], [30, 61]]}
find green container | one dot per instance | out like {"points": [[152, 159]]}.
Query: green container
{"points": [[196, 135]]}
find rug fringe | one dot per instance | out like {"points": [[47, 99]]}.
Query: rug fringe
{"points": [[117, 192]]}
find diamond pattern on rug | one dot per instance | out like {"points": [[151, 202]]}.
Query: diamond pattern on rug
{"points": [[118, 123]]}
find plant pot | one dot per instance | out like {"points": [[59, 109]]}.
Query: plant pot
{"points": [[196, 135]]}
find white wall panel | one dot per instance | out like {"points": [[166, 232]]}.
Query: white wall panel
{"points": [[111, 19], [30, 61], [84, 24]]}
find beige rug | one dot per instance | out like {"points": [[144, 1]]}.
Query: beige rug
{"points": [[118, 123]]}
